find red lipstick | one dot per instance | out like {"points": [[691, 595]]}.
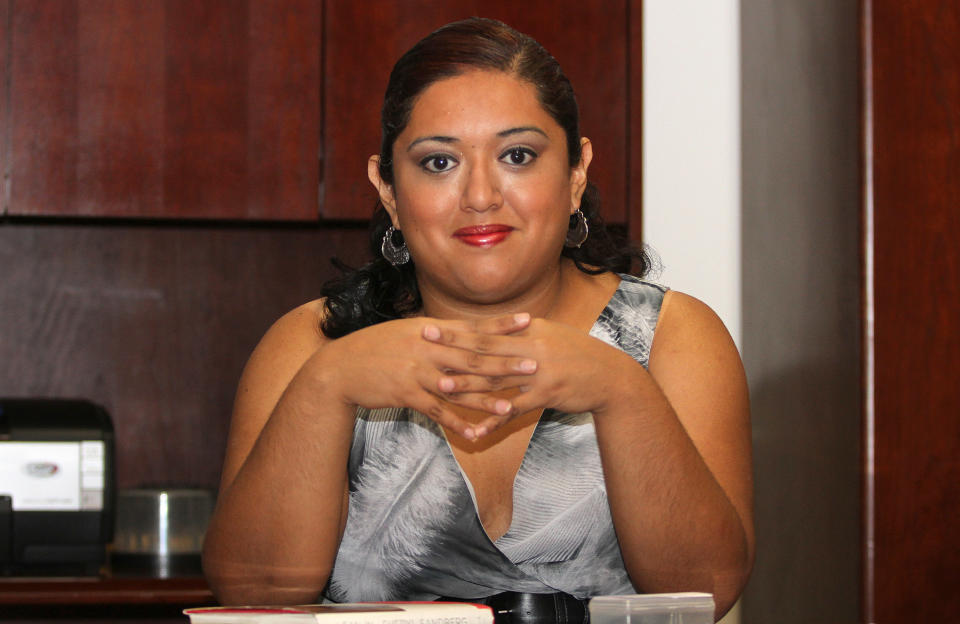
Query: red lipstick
{"points": [[483, 235]]}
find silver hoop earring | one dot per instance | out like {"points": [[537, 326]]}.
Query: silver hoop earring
{"points": [[579, 230], [394, 248]]}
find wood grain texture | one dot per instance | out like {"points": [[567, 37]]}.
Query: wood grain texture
{"points": [[916, 187], [187, 592], [204, 146], [283, 100], [4, 103], [120, 110], [43, 105], [154, 323], [165, 109], [634, 198], [589, 39]]}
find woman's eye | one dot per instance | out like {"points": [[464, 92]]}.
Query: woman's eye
{"points": [[437, 163], [518, 156]]}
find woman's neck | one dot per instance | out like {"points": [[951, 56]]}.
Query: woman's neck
{"points": [[540, 301]]}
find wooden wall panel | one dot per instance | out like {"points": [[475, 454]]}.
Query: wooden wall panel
{"points": [[589, 39], [283, 100], [204, 148], [155, 323], [43, 104], [634, 134], [4, 103], [120, 109], [165, 109], [913, 101]]}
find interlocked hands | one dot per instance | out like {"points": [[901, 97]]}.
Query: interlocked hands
{"points": [[503, 366]]}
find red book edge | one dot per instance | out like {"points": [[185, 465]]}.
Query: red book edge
{"points": [[302, 609]]}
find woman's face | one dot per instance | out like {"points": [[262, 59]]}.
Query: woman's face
{"points": [[483, 188]]}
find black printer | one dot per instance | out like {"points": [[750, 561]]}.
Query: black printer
{"points": [[57, 487]]}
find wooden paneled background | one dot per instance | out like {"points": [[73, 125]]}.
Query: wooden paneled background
{"points": [[260, 109], [170, 108], [591, 41], [912, 356], [155, 323], [149, 150]]}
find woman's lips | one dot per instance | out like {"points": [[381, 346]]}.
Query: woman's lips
{"points": [[483, 235]]}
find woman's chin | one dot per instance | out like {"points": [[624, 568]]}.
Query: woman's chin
{"points": [[498, 289], [484, 284]]}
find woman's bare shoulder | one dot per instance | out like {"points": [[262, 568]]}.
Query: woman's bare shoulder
{"points": [[292, 338], [685, 320], [694, 355], [696, 363], [280, 354], [304, 318], [301, 324]]}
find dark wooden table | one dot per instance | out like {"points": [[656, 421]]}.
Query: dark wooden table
{"points": [[115, 600], [106, 590]]}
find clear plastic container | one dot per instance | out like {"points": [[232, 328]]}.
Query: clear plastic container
{"points": [[682, 608]]}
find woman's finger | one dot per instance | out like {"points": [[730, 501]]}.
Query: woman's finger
{"points": [[492, 423], [481, 402], [473, 363], [434, 408], [501, 325], [474, 342], [497, 326], [436, 384], [460, 383], [438, 410], [527, 401], [447, 332]]}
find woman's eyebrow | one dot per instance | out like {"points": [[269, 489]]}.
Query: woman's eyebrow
{"points": [[437, 138], [504, 133]]}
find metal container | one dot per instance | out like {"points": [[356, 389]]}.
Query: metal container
{"points": [[159, 531]]}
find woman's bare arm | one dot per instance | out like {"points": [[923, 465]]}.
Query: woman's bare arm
{"points": [[676, 449], [283, 496], [284, 471]]}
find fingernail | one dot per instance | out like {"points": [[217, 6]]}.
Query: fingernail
{"points": [[447, 384], [480, 431], [522, 317], [503, 406], [527, 366], [469, 434], [431, 332]]}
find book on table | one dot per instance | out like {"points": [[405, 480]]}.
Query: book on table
{"points": [[347, 613]]}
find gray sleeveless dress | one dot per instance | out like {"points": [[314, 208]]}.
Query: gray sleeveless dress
{"points": [[413, 532]]}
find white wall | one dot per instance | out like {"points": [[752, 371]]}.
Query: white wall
{"points": [[691, 152], [691, 148]]}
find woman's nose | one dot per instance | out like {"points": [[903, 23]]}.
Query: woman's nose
{"points": [[482, 190]]}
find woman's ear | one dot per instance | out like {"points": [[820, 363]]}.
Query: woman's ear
{"points": [[383, 189], [578, 175]]}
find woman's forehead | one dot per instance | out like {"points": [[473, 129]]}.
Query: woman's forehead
{"points": [[478, 101]]}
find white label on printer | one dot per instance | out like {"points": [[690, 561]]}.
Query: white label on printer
{"points": [[91, 475], [52, 476]]}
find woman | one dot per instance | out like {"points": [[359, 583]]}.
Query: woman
{"points": [[487, 410]]}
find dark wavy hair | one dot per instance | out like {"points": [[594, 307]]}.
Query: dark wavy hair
{"points": [[379, 291]]}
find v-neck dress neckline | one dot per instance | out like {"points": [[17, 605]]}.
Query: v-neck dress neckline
{"points": [[413, 531], [506, 538]]}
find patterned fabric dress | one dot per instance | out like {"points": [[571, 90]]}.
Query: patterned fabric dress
{"points": [[413, 532]]}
